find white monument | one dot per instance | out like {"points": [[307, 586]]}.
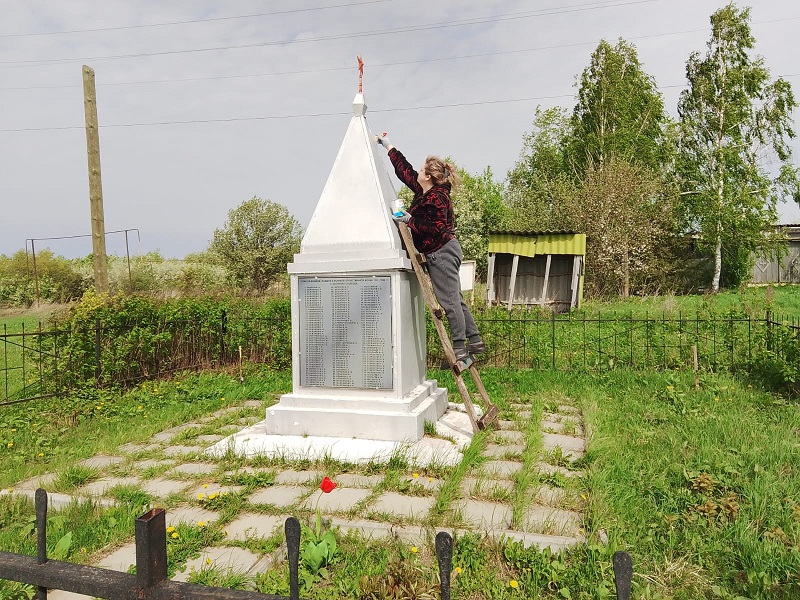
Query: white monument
{"points": [[358, 315]]}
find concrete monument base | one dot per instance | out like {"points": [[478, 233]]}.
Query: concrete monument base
{"points": [[359, 414], [454, 433]]}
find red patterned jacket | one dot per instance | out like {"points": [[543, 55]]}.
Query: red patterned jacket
{"points": [[432, 222]]}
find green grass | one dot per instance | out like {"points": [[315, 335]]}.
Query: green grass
{"points": [[701, 486]]}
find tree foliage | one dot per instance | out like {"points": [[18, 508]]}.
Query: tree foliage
{"points": [[626, 221], [257, 241], [619, 113], [478, 206], [732, 120]]}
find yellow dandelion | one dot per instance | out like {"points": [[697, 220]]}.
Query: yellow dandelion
{"points": [[414, 549], [716, 399], [222, 399], [139, 407], [40, 455], [430, 479], [205, 486], [415, 475], [170, 529], [223, 493], [13, 429], [201, 523], [200, 496], [174, 535], [208, 561], [10, 444], [457, 570], [212, 496], [513, 583]]}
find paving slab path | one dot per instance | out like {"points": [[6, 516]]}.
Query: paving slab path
{"points": [[193, 485]]}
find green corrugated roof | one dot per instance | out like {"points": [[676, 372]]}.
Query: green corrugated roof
{"points": [[531, 244]]}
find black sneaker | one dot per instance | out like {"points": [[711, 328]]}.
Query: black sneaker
{"points": [[461, 354], [478, 347]]}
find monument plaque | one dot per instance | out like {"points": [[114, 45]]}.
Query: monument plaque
{"points": [[345, 332]]}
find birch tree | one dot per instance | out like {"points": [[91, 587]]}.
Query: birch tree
{"points": [[734, 159], [619, 113]]}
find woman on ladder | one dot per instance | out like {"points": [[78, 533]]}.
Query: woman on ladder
{"points": [[431, 220]]}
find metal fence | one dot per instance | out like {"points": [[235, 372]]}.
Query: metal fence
{"points": [[41, 362], [150, 580]]}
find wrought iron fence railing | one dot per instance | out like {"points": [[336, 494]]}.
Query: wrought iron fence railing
{"points": [[38, 363]]}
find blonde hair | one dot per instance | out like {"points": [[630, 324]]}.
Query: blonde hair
{"points": [[441, 171]]}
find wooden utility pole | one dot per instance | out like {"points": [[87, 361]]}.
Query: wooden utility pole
{"points": [[95, 184]]}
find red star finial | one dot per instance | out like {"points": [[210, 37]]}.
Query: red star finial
{"points": [[360, 74]]}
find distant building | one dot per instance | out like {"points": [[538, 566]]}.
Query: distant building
{"points": [[786, 270]]}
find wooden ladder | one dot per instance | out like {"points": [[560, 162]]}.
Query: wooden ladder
{"points": [[458, 367]]}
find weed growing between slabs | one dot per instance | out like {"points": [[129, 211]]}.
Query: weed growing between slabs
{"points": [[701, 486]]}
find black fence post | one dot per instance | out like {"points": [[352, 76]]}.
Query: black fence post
{"points": [[623, 574], [151, 548], [41, 536], [444, 556], [292, 532]]}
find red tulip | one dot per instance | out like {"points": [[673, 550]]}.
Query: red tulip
{"points": [[326, 485]]}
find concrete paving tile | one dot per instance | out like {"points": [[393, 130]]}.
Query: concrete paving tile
{"points": [[524, 414], [411, 507], [101, 486], [546, 519], [208, 439], [214, 488], [546, 469], [568, 409], [237, 560], [561, 426], [472, 486], [146, 464], [164, 487], [58, 501], [374, 530], [229, 428], [550, 496], [411, 534], [484, 515], [101, 461], [430, 484], [541, 541], [501, 468], [507, 424], [191, 515], [226, 411], [120, 559], [340, 499], [44, 480], [249, 420], [194, 468], [357, 480], [299, 477], [513, 437], [253, 404], [180, 450], [131, 448], [565, 442], [170, 433], [251, 525], [278, 495], [500, 451]]}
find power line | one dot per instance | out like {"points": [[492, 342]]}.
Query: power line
{"points": [[209, 20], [319, 114], [393, 31], [380, 65]]}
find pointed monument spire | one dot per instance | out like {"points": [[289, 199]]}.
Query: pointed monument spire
{"points": [[352, 228]]}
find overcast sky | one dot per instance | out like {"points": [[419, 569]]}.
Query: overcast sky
{"points": [[267, 89]]}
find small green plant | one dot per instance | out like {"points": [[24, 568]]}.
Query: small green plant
{"points": [[319, 548]]}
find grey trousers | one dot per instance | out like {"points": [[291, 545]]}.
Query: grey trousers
{"points": [[443, 266]]}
